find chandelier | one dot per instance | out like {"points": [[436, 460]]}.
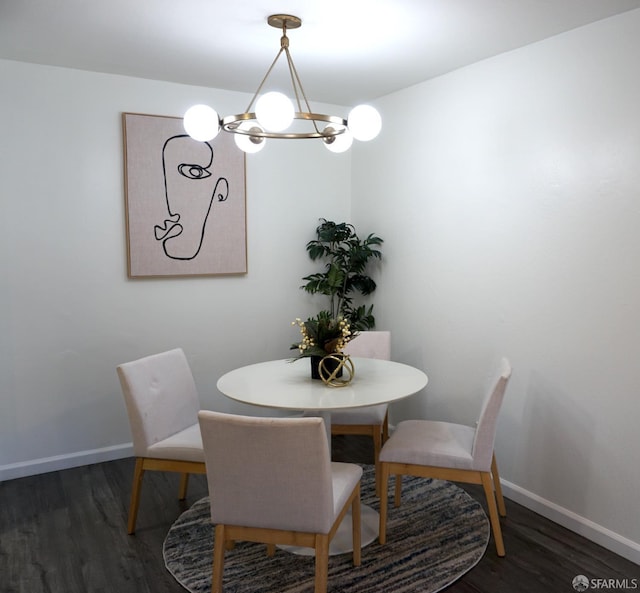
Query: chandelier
{"points": [[275, 115]]}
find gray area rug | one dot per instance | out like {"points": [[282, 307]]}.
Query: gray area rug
{"points": [[437, 535]]}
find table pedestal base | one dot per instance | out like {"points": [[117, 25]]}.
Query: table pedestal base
{"points": [[342, 541]]}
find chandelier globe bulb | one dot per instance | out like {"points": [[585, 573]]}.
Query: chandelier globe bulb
{"points": [[201, 122], [248, 143], [274, 111], [364, 122], [337, 143]]}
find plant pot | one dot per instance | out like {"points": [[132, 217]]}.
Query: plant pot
{"points": [[330, 365]]}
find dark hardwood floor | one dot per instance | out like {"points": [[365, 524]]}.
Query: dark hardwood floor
{"points": [[65, 532]]}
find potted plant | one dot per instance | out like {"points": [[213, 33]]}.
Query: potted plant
{"points": [[346, 257]]}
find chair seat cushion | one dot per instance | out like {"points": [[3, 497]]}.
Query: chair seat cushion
{"points": [[366, 415], [427, 442], [345, 477], [185, 445]]}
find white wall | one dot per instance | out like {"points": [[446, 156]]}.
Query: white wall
{"points": [[508, 194], [69, 314]]}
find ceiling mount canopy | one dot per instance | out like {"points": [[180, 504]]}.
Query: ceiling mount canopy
{"points": [[276, 116]]}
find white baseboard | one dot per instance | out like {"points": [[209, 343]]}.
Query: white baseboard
{"points": [[58, 462], [592, 531]]}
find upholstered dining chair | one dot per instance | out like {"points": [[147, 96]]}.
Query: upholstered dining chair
{"points": [[162, 404], [447, 451], [271, 480], [370, 421]]}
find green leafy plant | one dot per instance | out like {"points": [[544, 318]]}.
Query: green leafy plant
{"points": [[346, 258]]}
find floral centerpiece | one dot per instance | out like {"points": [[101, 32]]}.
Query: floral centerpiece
{"points": [[322, 335], [323, 339]]}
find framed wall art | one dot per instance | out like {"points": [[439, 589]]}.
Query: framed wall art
{"points": [[185, 200]]}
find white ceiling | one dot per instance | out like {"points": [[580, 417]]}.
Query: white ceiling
{"points": [[347, 51]]}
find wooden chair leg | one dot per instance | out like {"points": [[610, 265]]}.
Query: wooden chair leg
{"points": [[356, 530], [398, 491], [385, 428], [384, 489], [493, 512], [184, 483], [322, 563], [377, 445], [271, 550], [138, 474], [502, 509], [218, 559]]}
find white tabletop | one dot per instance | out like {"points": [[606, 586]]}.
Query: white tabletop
{"points": [[288, 385]]}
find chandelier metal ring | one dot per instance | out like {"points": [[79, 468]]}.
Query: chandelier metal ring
{"points": [[230, 123]]}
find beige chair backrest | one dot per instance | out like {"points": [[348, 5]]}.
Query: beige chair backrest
{"points": [[484, 438], [160, 395], [370, 344], [268, 472]]}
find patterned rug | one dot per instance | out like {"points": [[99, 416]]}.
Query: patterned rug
{"points": [[437, 535]]}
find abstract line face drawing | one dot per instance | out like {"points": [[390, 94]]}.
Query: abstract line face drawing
{"points": [[190, 191]]}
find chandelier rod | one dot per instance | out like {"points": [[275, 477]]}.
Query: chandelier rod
{"points": [[248, 109], [294, 74]]}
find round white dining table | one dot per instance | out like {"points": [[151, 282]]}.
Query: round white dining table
{"points": [[288, 385]]}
